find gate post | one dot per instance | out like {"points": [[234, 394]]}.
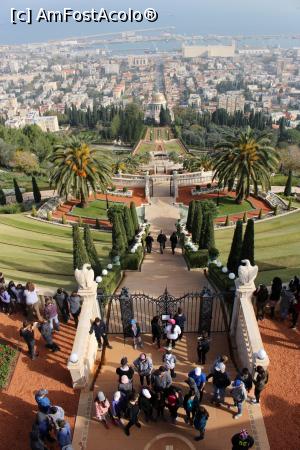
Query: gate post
{"points": [[206, 308], [126, 308]]}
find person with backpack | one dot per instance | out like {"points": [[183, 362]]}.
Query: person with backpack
{"points": [[203, 346], [156, 331], [221, 381], [239, 395], [246, 377], [36, 442], [169, 361], [162, 239], [125, 386], [190, 405], [173, 332], [260, 381], [143, 365], [44, 426], [200, 421], [242, 441], [219, 359], [180, 320]]}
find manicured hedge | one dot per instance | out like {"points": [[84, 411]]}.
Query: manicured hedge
{"points": [[111, 281], [132, 261], [7, 359], [219, 278], [196, 259]]}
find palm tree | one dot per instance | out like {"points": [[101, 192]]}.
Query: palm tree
{"points": [[76, 170], [246, 158], [196, 163]]}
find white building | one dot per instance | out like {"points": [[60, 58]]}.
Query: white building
{"points": [[154, 107]]}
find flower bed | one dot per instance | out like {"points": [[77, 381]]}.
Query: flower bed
{"points": [[8, 357]]}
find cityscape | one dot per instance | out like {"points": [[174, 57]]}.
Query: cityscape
{"points": [[149, 239]]}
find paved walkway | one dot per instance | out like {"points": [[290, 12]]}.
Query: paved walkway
{"points": [[167, 270]]}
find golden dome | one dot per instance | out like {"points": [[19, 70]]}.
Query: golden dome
{"points": [[158, 97]]}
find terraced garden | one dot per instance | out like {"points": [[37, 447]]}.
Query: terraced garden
{"points": [[95, 210], [41, 252], [277, 247]]}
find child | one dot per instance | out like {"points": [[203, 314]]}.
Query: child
{"points": [[136, 334], [200, 420], [102, 406]]}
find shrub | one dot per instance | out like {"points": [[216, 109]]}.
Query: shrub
{"points": [[245, 217], [125, 189], [18, 193], [247, 251], [80, 222], [132, 261], [25, 161], [213, 253], [196, 259], [80, 256], [64, 219], [33, 211], [36, 192], [234, 256], [113, 188], [260, 215], [190, 216], [198, 187], [98, 226], [49, 216], [219, 278], [227, 222], [110, 282], [91, 251], [135, 219], [13, 208], [275, 210], [197, 223]]}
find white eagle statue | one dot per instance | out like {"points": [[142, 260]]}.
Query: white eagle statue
{"points": [[247, 274], [85, 277]]}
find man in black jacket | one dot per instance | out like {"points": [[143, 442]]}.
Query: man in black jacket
{"points": [[27, 333], [242, 440], [99, 328], [149, 241], [161, 239], [133, 411], [61, 298], [220, 383]]}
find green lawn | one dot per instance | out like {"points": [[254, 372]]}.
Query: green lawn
{"points": [[277, 247], [280, 180], [94, 210], [41, 252], [146, 148], [227, 205], [173, 146], [24, 181]]}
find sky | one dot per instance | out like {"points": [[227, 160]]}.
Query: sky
{"points": [[227, 17]]}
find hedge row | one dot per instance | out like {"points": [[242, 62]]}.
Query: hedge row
{"points": [[219, 278], [111, 281], [196, 259]]}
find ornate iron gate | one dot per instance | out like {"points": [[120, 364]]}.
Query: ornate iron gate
{"points": [[203, 310]]}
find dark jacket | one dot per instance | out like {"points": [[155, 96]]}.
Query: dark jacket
{"points": [[261, 380], [160, 383], [173, 239], [129, 372], [161, 238], [145, 404], [238, 443], [98, 329], [64, 436], [156, 329], [180, 319], [133, 412], [36, 442], [246, 379], [62, 300], [138, 331], [203, 345], [27, 335], [221, 380], [149, 239], [45, 331]]}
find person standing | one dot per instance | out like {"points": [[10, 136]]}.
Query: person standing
{"points": [[145, 404], [46, 331], [125, 386], [174, 241], [200, 379], [117, 407], [246, 377], [133, 411], [190, 404], [32, 300], [173, 402], [99, 328], [136, 334], [75, 306], [220, 382], [239, 395], [64, 435], [125, 369], [203, 346], [260, 380], [200, 421], [242, 441], [162, 239], [287, 298], [156, 330], [5, 299], [61, 298], [262, 295], [27, 333], [143, 365], [173, 332], [295, 310], [42, 400], [169, 361], [180, 321], [149, 242], [102, 407], [275, 294], [50, 312]]}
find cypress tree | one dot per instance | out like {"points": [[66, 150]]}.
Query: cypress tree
{"points": [[290, 204], [118, 245], [36, 192], [135, 219], [80, 256], [226, 221], [120, 218], [234, 256], [91, 251], [128, 224], [2, 198], [98, 225], [197, 223], [209, 231], [260, 215], [18, 193], [247, 251], [288, 185], [190, 216], [245, 217]]}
